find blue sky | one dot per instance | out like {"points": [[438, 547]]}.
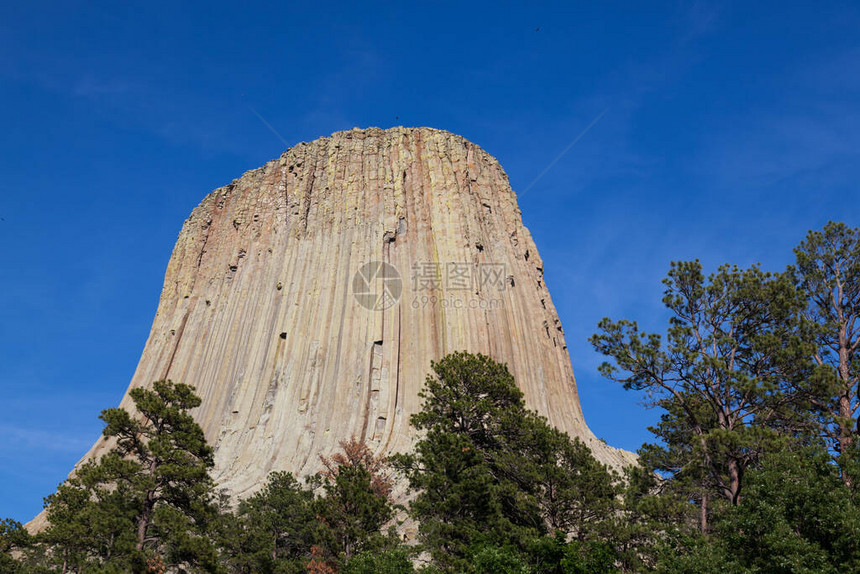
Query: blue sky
{"points": [[729, 131]]}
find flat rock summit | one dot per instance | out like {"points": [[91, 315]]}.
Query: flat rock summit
{"points": [[306, 300]]}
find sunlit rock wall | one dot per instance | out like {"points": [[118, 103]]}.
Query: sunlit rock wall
{"points": [[262, 311]]}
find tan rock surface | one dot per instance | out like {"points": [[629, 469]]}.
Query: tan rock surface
{"points": [[258, 310]]}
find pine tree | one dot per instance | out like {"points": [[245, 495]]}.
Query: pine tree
{"points": [[355, 504], [797, 516], [273, 530], [285, 528], [828, 273], [148, 500], [13, 538], [493, 478], [724, 377]]}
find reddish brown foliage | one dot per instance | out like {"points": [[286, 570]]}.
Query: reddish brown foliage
{"points": [[155, 565], [357, 453], [318, 564]]}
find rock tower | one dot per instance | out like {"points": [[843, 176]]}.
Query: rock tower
{"points": [[306, 299]]}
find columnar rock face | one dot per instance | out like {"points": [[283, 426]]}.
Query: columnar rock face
{"points": [[291, 351]]}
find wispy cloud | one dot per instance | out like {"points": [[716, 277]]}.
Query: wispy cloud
{"points": [[699, 19], [24, 438], [813, 135], [154, 106], [91, 87]]}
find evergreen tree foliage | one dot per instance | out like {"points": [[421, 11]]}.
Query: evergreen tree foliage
{"points": [[145, 503], [91, 520], [723, 377], [13, 538], [493, 477], [356, 503], [797, 516], [828, 273], [387, 561], [652, 519], [273, 530], [285, 528]]}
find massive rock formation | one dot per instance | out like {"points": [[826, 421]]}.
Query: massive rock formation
{"points": [[306, 300]]}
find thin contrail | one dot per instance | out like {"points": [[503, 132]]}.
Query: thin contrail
{"points": [[567, 149], [268, 125]]}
